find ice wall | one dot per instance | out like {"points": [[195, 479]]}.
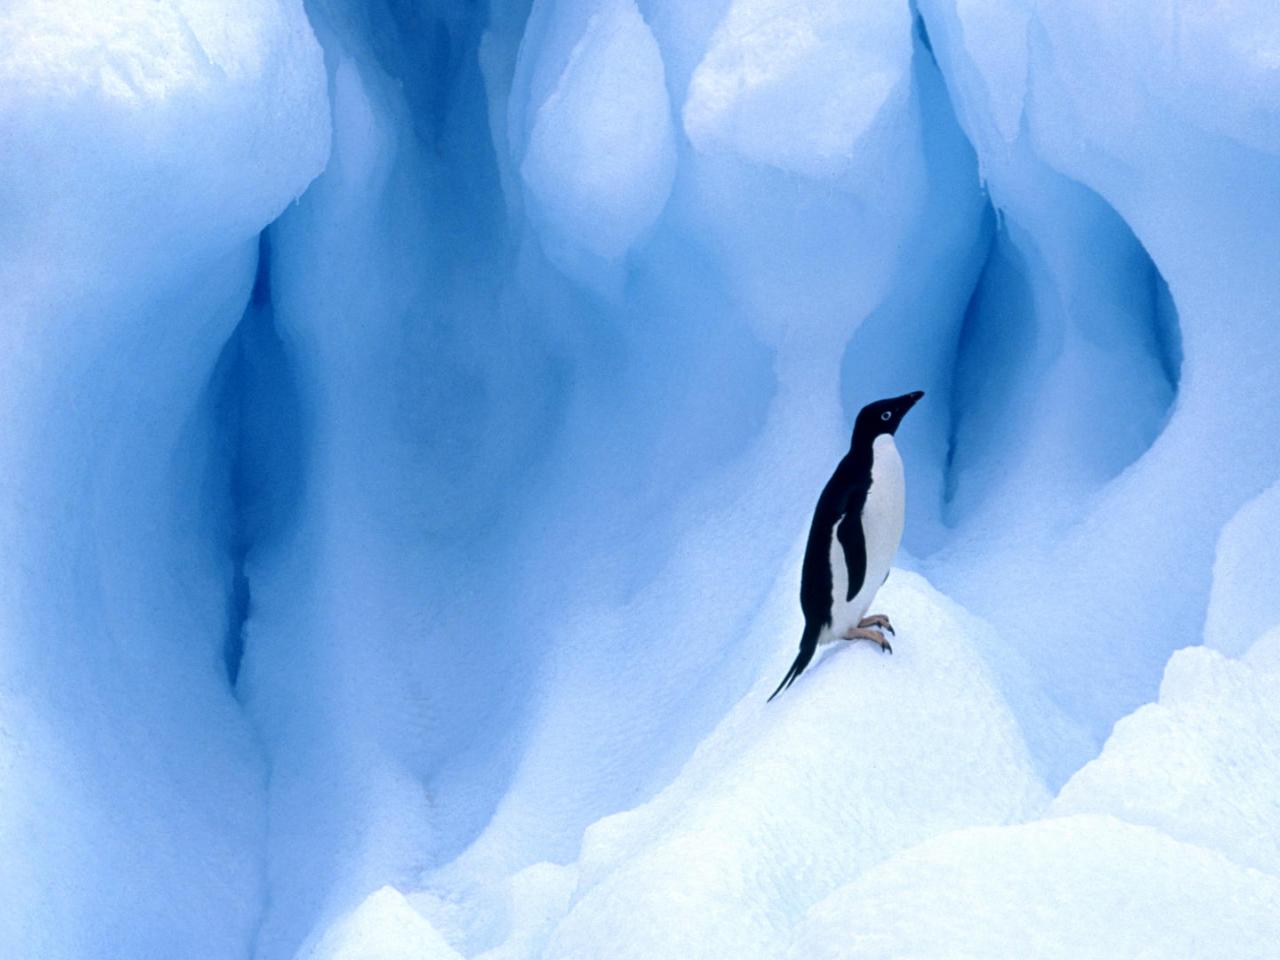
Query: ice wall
{"points": [[145, 146], [1083, 114]]}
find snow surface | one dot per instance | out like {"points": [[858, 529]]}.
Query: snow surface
{"points": [[1203, 762], [781, 803], [1243, 603], [383, 927], [1076, 888], [412, 415]]}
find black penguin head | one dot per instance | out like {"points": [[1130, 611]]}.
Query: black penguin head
{"points": [[882, 416]]}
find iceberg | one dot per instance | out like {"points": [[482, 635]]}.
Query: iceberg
{"points": [[412, 417]]}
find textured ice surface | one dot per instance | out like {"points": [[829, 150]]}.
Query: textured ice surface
{"points": [[601, 151], [138, 131], [798, 85], [1202, 763], [1075, 888], [145, 146], [1111, 184]]}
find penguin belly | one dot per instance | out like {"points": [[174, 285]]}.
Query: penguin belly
{"points": [[882, 519]]}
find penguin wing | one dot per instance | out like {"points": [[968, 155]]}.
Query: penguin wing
{"points": [[854, 545]]}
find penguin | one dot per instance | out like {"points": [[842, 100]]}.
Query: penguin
{"points": [[855, 532]]}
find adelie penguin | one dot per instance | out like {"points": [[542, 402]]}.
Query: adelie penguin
{"points": [[856, 528]]}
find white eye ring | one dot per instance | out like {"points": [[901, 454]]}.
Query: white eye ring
{"points": [[886, 415]]}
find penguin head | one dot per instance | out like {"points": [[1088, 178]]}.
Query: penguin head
{"points": [[883, 416]]}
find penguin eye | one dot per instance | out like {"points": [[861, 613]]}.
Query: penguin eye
{"points": [[886, 415]]}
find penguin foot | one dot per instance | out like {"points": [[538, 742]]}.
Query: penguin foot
{"points": [[877, 620], [861, 633]]}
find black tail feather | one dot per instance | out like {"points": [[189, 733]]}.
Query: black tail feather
{"points": [[808, 644]]}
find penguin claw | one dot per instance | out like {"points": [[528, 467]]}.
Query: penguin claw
{"points": [[877, 620], [862, 633]]}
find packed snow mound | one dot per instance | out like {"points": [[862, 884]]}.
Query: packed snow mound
{"points": [[1202, 764], [383, 927], [1070, 888], [866, 754], [796, 85], [601, 154], [1244, 601], [1264, 655], [510, 920]]}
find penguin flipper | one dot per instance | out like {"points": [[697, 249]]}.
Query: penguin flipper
{"points": [[853, 544], [808, 645]]}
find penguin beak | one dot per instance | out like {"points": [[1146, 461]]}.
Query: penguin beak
{"points": [[909, 400]]}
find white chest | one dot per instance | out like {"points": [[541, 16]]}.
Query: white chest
{"points": [[882, 517]]}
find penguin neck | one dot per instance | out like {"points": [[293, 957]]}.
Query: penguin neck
{"points": [[864, 449], [883, 444]]}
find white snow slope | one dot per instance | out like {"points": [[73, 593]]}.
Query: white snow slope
{"points": [[411, 414]]}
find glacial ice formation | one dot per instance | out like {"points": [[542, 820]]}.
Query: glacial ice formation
{"points": [[412, 411], [145, 148]]}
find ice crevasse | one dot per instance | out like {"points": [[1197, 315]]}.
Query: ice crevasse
{"points": [[411, 417]]}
